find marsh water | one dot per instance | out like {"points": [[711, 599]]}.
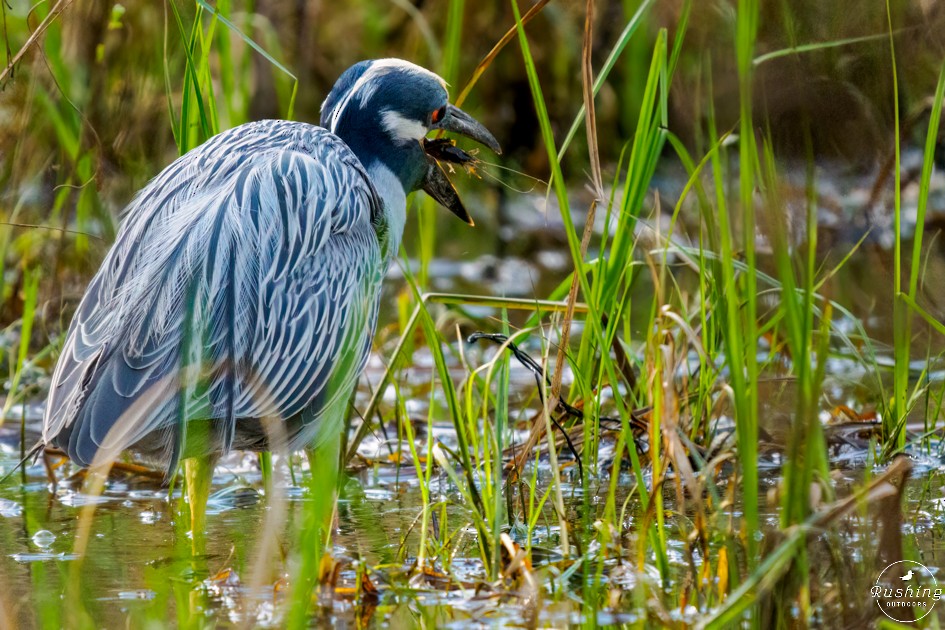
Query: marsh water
{"points": [[139, 569]]}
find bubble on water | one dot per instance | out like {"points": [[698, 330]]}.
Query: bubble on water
{"points": [[44, 538]]}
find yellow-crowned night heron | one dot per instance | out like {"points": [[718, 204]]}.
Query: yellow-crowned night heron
{"points": [[239, 300]]}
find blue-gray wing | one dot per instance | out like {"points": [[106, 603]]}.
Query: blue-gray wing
{"points": [[243, 285]]}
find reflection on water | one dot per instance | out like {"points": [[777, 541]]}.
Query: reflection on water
{"points": [[138, 563]]}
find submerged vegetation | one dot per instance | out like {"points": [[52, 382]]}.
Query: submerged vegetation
{"points": [[688, 373]]}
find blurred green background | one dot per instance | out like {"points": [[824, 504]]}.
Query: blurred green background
{"points": [[88, 112]]}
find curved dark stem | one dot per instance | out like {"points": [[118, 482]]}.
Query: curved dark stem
{"points": [[532, 366]]}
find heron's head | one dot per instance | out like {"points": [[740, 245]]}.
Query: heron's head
{"points": [[384, 109]]}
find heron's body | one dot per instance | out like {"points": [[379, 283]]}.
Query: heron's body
{"points": [[237, 306], [256, 258]]}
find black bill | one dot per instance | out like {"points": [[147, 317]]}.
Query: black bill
{"points": [[436, 183]]}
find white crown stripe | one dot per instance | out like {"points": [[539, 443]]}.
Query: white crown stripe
{"points": [[365, 86]]}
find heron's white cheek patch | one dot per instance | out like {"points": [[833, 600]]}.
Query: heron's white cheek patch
{"points": [[402, 129]]}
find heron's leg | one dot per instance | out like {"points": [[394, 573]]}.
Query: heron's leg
{"points": [[198, 475], [50, 469]]}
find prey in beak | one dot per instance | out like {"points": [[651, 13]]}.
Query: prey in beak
{"points": [[440, 150]]}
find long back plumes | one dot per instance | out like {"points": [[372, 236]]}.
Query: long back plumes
{"points": [[240, 276]]}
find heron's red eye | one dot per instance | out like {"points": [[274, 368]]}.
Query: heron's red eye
{"points": [[437, 116]]}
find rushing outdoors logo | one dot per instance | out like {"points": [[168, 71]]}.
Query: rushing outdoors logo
{"points": [[906, 591]]}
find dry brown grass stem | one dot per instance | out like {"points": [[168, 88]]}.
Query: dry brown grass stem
{"points": [[34, 38], [587, 78], [492, 54]]}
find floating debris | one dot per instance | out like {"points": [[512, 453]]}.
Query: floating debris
{"points": [[10, 509], [44, 556]]}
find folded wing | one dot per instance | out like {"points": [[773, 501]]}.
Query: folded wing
{"points": [[243, 285]]}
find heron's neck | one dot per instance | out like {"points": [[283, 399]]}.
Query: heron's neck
{"points": [[391, 191], [362, 132]]}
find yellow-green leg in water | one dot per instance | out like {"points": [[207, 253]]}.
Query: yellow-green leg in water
{"points": [[198, 475]]}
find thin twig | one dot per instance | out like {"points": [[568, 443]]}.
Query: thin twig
{"points": [[52, 228], [590, 113]]}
